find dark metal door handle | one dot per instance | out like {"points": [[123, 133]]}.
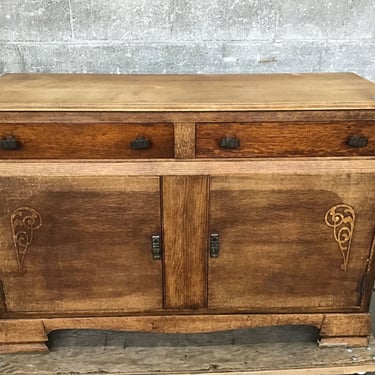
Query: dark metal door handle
{"points": [[156, 247], [214, 245]]}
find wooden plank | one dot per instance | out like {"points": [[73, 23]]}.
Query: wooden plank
{"points": [[93, 92], [184, 140], [35, 330], [79, 117], [31, 347], [305, 166], [359, 326], [337, 370], [350, 341], [368, 281], [194, 323], [20, 331], [185, 241], [342, 325]]}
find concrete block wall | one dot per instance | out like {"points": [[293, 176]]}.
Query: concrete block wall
{"points": [[187, 36]]}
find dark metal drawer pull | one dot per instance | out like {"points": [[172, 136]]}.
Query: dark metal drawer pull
{"points": [[230, 143], [214, 245], [140, 143], [9, 142], [357, 141]]}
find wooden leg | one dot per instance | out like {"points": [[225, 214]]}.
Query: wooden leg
{"points": [[17, 336], [28, 347], [345, 330], [329, 342]]}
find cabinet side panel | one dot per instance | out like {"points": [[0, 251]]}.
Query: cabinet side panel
{"points": [[185, 241]]}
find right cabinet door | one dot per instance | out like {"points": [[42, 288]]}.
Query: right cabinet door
{"points": [[290, 240]]}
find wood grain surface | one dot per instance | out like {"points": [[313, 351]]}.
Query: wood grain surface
{"points": [[284, 140], [184, 147], [368, 288], [93, 250], [328, 324], [77, 92], [185, 241], [90, 117], [276, 250], [310, 166], [329, 342], [87, 141]]}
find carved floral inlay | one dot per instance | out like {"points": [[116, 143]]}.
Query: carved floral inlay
{"points": [[24, 221], [342, 219]]}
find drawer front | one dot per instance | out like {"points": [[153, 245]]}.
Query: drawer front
{"points": [[285, 139], [86, 141]]}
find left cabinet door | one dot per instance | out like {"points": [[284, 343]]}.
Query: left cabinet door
{"points": [[71, 244]]}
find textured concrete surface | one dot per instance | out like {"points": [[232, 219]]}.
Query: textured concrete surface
{"points": [[181, 36]]}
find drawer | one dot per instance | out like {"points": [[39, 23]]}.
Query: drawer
{"points": [[285, 139], [86, 141]]}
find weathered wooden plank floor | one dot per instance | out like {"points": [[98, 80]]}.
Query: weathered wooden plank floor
{"points": [[264, 351], [274, 350]]}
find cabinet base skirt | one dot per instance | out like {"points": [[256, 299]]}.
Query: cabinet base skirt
{"points": [[26, 347], [30, 335]]}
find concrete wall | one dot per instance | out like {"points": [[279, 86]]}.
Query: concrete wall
{"points": [[181, 36]]}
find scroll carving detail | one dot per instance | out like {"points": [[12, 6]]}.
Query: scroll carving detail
{"points": [[342, 219], [24, 221]]}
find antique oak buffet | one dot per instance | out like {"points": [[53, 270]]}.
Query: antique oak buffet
{"points": [[186, 204]]}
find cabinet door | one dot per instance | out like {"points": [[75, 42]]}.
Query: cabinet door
{"points": [[290, 241], [79, 244]]}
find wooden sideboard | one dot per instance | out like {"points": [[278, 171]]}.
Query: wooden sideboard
{"points": [[186, 204]]}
